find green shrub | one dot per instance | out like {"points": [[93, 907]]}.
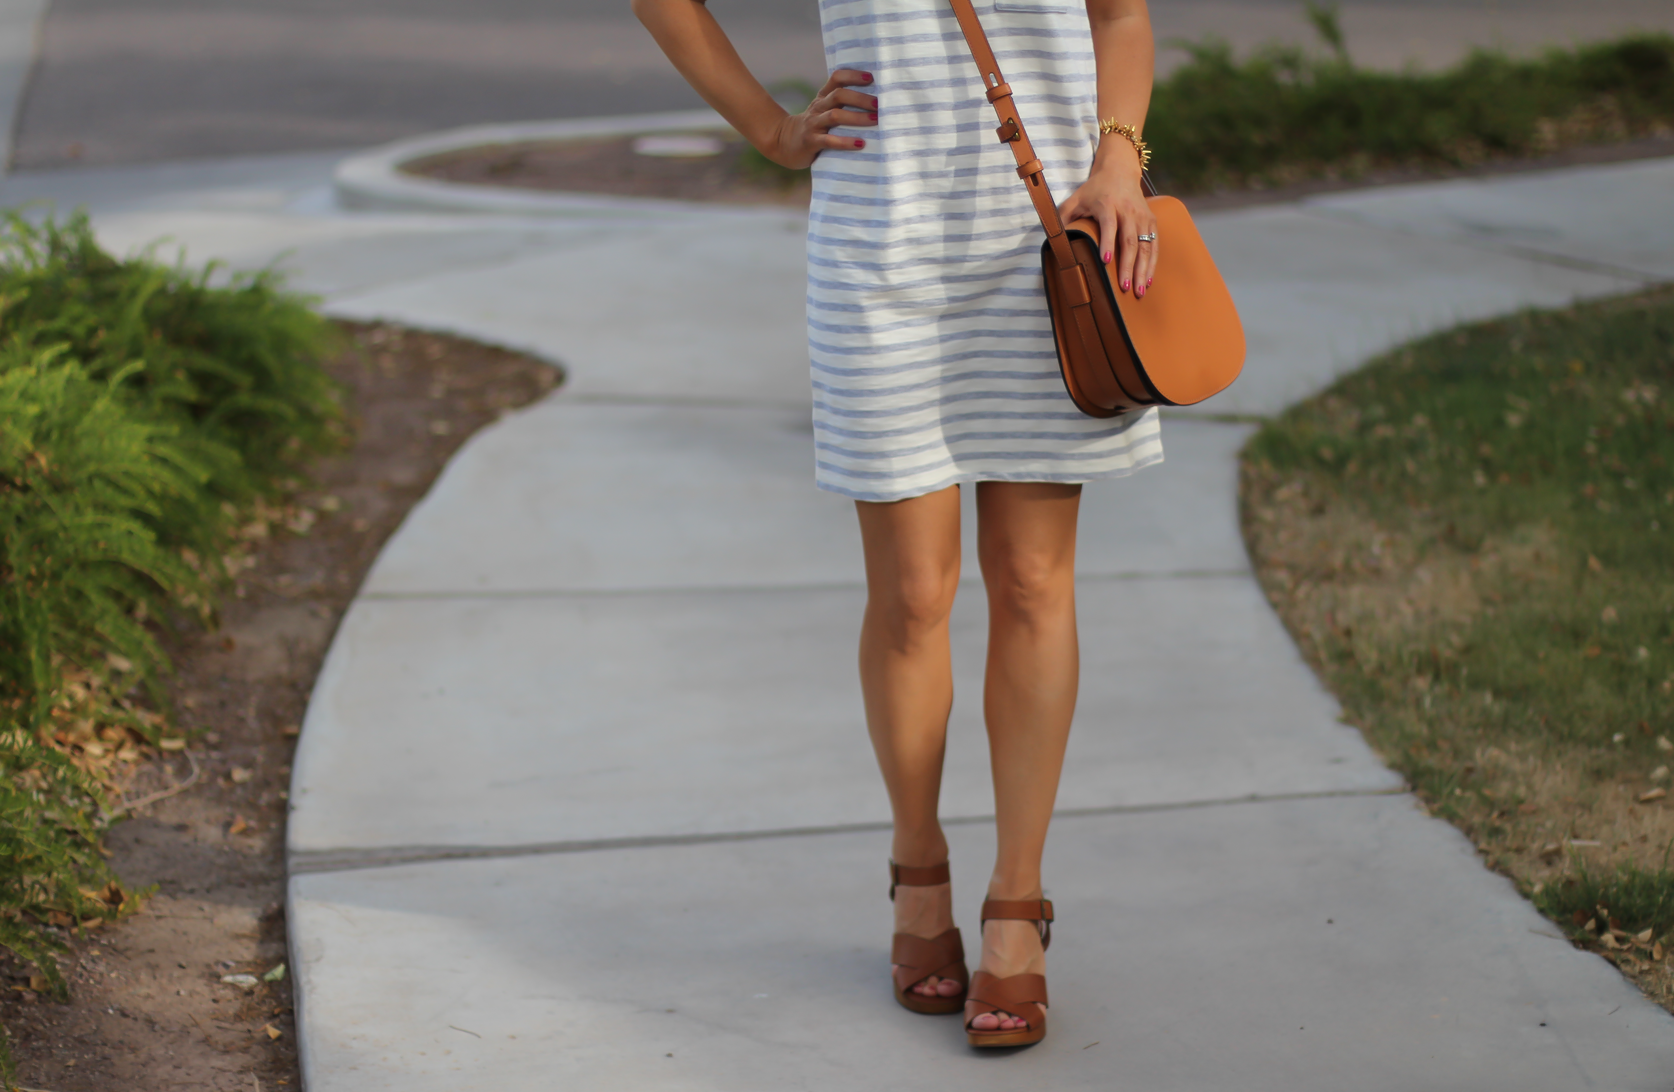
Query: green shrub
{"points": [[1285, 114], [236, 365], [143, 411]]}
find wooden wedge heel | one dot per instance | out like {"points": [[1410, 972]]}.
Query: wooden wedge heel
{"points": [[1021, 995], [917, 958]]}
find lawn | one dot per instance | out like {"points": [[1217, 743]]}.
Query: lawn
{"points": [[1472, 540]]}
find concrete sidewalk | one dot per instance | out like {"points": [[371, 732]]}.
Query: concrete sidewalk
{"points": [[584, 797]]}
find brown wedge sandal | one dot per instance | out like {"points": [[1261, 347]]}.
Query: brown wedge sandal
{"points": [[916, 958], [1021, 995]]}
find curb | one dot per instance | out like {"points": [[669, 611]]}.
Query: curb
{"points": [[373, 180]]}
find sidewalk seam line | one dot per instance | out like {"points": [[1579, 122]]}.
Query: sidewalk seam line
{"points": [[728, 589], [310, 862]]}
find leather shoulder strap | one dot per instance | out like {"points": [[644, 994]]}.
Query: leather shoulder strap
{"points": [[1011, 129]]}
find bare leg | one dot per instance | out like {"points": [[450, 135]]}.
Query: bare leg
{"points": [[906, 675], [1026, 544]]}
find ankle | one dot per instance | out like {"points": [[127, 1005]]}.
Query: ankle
{"points": [[922, 849], [1010, 889]]}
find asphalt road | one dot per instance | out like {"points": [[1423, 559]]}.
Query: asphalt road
{"points": [[124, 81]]}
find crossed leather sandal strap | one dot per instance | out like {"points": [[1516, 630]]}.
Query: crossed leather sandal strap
{"points": [[916, 958], [1038, 911], [1009, 995], [910, 876]]}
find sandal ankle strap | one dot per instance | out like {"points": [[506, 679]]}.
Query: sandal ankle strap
{"points": [[1038, 911], [909, 876]]}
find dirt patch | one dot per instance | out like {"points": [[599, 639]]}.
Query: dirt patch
{"points": [[611, 167], [148, 1008], [735, 176]]}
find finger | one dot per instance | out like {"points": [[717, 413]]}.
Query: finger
{"points": [[836, 143], [831, 119], [1107, 235], [1129, 245], [1148, 271], [861, 101], [847, 77]]}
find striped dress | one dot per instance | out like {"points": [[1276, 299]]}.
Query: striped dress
{"points": [[930, 348]]}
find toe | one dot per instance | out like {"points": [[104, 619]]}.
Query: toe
{"points": [[926, 988], [986, 1022], [947, 987]]}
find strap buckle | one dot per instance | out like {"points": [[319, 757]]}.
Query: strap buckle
{"points": [[1009, 133]]}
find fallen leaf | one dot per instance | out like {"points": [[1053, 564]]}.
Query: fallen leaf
{"points": [[38, 983], [240, 775], [242, 981], [1608, 615], [1643, 938], [1608, 941], [290, 731], [1594, 564], [1663, 744], [1656, 952], [1652, 796], [272, 1032], [173, 743], [277, 974], [119, 663], [1659, 773], [238, 825]]}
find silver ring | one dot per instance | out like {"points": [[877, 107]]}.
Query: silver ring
{"points": [[1150, 238]]}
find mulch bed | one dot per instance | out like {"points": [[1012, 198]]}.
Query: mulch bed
{"points": [[148, 1009], [611, 167]]}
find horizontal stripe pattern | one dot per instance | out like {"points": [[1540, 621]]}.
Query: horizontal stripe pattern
{"points": [[929, 344]]}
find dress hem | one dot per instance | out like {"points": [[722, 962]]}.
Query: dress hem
{"points": [[1076, 478]]}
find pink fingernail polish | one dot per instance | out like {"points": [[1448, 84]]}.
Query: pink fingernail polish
{"points": [[1147, 282], [874, 115], [859, 143], [1126, 286]]}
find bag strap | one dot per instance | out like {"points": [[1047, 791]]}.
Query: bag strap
{"points": [[1011, 132]]}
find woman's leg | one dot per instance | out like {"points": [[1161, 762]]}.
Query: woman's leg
{"points": [[1026, 544], [906, 675]]}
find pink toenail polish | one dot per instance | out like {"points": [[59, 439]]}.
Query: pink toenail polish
{"points": [[1107, 257]]}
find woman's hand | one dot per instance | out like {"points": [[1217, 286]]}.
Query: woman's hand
{"points": [[1112, 196], [800, 138]]}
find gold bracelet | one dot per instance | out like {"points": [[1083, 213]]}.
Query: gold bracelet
{"points": [[1111, 125]]}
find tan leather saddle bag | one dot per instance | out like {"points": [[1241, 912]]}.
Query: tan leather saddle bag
{"points": [[1177, 345]]}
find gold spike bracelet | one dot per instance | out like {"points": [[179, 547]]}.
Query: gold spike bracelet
{"points": [[1131, 135]]}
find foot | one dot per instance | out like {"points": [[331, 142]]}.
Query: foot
{"points": [[927, 912], [1008, 948]]}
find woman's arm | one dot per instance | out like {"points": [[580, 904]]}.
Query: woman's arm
{"points": [[1126, 57], [694, 41]]}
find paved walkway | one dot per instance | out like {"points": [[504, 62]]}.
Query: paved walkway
{"points": [[139, 80], [583, 799]]}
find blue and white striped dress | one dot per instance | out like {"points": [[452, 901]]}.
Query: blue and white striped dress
{"points": [[931, 351]]}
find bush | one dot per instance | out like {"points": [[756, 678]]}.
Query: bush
{"points": [[1286, 114], [143, 411]]}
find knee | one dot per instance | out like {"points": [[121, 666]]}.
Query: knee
{"points": [[1029, 586], [914, 605]]}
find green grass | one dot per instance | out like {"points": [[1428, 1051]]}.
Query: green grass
{"points": [[1548, 435], [1285, 113], [1472, 538], [143, 411], [1629, 898]]}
